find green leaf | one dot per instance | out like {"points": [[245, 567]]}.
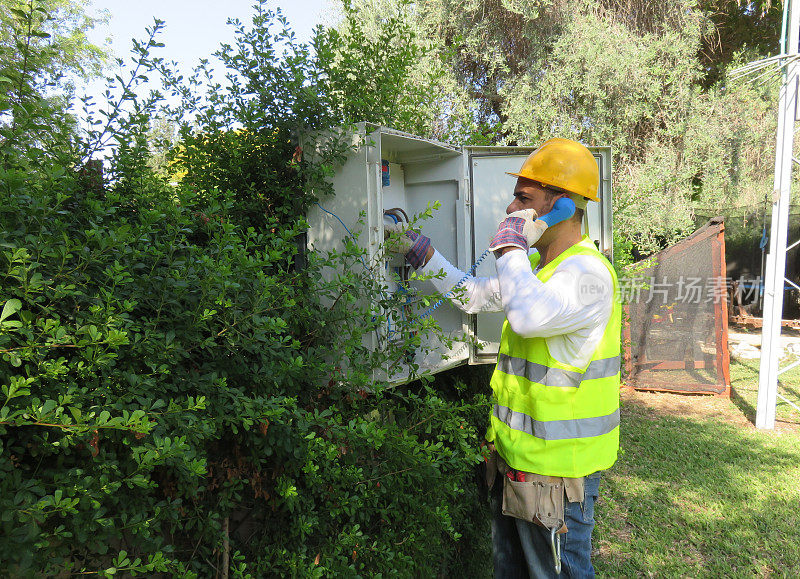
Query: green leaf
{"points": [[10, 308], [48, 407]]}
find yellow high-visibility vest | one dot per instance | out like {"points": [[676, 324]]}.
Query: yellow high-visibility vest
{"points": [[551, 417]]}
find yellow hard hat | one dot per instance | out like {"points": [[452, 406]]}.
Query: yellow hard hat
{"points": [[565, 164]]}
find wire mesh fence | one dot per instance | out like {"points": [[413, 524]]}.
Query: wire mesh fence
{"points": [[676, 332]]}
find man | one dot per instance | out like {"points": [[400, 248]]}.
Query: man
{"points": [[555, 421]]}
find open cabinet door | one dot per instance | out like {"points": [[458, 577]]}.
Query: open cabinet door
{"points": [[391, 172], [409, 173], [421, 172], [491, 191]]}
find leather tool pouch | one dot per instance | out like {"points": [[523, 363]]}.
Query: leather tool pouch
{"points": [[537, 500]]}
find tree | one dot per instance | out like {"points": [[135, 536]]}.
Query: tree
{"points": [[736, 25], [43, 47], [647, 78], [49, 37], [176, 386]]}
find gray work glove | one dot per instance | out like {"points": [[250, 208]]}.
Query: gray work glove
{"points": [[406, 242], [520, 229]]}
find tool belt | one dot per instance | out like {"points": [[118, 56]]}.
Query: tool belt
{"points": [[533, 497]]}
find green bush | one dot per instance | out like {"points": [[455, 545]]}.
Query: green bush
{"points": [[180, 393]]}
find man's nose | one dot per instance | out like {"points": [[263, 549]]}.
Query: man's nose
{"points": [[512, 206]]}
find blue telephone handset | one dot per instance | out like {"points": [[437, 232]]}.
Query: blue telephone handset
{"points": [[563, 209]]}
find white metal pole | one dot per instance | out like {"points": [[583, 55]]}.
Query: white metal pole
{"points": [[776, 259]]}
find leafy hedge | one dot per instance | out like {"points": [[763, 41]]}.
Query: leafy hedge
{"points": [[180, 393], [164, 371]]}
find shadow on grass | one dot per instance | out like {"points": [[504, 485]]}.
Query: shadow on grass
{"points": [[742, 404], [744, 391], [791, 389], [699, 498]]}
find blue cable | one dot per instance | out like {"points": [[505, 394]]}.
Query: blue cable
{"points": [[449, 294], [563, 209], [390, 331], [337, 218], [346, 229]]}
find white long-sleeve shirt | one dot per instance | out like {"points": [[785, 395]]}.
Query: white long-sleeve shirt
{"points": [[570, 310]]}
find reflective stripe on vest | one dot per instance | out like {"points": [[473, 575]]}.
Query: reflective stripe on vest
{"points": [[557, 429], [604, 368], [554, 417]]}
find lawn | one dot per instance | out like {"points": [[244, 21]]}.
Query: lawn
{"points": [[698, 491], [744, 383]]}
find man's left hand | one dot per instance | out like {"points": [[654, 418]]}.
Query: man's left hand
{"points": [[415, 246]]}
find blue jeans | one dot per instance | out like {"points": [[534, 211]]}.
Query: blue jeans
{"points": [[522, 549]]}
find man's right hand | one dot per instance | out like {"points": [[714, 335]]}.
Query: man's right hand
{"points": [[520, 229]]}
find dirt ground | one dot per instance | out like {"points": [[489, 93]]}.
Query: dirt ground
{"points": [[739, 409], [694, 405]]}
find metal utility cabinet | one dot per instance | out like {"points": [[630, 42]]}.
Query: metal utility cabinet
{"points": [[472, 187]]}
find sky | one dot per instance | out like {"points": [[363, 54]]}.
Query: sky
{"points": [[194, 29]]}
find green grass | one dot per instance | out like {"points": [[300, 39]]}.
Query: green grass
{"points": [[744, 383], [701, 496]]}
